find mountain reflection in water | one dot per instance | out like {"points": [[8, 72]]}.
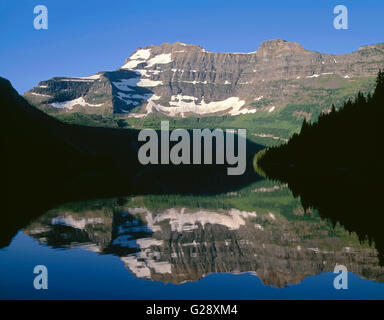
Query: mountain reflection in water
{"points": [[261, 229]]}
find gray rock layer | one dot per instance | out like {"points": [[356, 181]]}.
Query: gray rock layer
{"points": [[181, 80]]}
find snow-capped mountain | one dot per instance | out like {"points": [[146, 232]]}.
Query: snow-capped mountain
{"points": [[181, 80]]}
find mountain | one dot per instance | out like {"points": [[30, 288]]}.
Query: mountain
{"points": [[335, 165], [181, 80], [334, 140]]}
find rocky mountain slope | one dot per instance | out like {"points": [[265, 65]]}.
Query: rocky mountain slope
{"points": [[181, 80]]}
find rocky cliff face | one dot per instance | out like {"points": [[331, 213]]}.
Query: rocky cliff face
{"points": [[180, 244], [181, 80]]}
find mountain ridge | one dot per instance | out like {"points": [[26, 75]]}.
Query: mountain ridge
{"points": [[266, 43], [182, 80]]}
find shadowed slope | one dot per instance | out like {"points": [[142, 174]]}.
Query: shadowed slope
{"points": [[45, 162]]}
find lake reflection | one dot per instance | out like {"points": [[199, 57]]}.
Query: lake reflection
{"points": [[260, 230]]}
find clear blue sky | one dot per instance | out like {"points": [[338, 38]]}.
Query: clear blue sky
{"points": [[85, 37]]}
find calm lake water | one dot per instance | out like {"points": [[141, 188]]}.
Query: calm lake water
{"points": [[254, 243]]}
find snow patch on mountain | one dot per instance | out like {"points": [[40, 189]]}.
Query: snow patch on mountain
{"points": [[41, 95], [143, 54], [180, 106], [140, 56], [180, 97], [126, 84], [149, 83], [163, 58], [127, 99], [76, 80], [70, 104], [93, 77], [131, 64]]}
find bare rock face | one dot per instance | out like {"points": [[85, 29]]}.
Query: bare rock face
{"points": [[181, 80]]}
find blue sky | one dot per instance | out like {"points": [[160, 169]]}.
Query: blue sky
{"points": [[85, 37]]}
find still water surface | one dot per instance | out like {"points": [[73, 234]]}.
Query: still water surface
{"points": [[255, 243]]}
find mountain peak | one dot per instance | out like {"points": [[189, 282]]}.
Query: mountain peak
{"points": [[277, 41], [279, 46], [379, 46]]}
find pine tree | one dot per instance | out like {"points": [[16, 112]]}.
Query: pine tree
{"points": [[379, 91], [304, 126]]}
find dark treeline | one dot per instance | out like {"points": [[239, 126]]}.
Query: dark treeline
{"points": [[345, 139], [334, 165]]}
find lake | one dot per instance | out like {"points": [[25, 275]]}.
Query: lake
{"points": [[253, 243]]}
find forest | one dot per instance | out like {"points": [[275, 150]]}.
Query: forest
{"points": [[346, 139], [333, 166]]}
